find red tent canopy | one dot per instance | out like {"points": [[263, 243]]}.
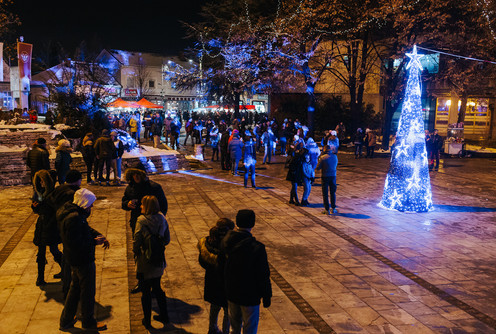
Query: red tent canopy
{"points": [[247, 107], [120, 103], [144, 103]]}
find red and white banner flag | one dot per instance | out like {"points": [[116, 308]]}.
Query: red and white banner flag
{"points": [[24, 52], [1, 61]]}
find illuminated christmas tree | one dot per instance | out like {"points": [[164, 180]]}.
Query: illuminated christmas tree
{"points": [[408, 185]]}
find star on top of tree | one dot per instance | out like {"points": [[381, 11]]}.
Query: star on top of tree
{"points": [[414, 58]]}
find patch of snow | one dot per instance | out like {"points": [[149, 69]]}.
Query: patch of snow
{"points": [[480, 149], [146, 151], [6, 149], [31, 127], [61, 127]]}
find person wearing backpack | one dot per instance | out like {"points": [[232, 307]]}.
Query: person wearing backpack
{"points": [[150, 238]]}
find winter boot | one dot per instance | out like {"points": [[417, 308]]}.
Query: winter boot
{"points": [[41, 274]]}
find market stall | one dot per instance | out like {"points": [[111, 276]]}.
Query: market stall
{"points": [[454, 143]]}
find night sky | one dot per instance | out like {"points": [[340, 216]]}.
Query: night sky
{"points": [[149, 26]]}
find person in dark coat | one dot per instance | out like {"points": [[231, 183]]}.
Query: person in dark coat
{"points": [[79, 241], [139, 186], [328, 163], [246, 274], [56, 199], [235, 148], [268, 140], [209, 248], [436, 145], [104, 152], [156, 129], [63, 159], [175, 127], [117, 159], [295, 175], [46, 232], [38, 157], [151, 222], [358, 141], [88, 152], [225, 161]]}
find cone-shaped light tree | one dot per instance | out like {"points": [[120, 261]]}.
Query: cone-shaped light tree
{"points": [[408, 185]]}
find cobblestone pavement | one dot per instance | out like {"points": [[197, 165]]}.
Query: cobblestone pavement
{"points": [[363, 270]]}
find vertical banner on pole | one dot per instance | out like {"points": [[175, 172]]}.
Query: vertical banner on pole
{"points": [[24, 51], [1, 61]]}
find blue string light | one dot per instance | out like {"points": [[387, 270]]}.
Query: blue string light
{"points": [[408, 185]]}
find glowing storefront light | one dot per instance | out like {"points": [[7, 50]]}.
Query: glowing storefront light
{"points": [[408, 186]]}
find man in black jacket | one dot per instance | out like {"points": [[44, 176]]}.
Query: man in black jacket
{"points": [[79, 241], [246, 274], [225, 161], [64, 193], [104, 152], [38, 157], [436, 142]]}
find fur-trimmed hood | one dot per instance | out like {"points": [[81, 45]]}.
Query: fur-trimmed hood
{"points": [[42, 177], [134, 171]]}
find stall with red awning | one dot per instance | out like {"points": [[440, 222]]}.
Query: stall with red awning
{"points": [[144, 103]]}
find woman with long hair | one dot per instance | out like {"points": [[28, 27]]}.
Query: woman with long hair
{"points": [[46, 232], [151, 224]]}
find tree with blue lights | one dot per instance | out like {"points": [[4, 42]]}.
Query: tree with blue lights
{"points": [[408, 186]]}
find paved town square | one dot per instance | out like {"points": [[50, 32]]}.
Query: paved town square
{"points": [[361, 270]]}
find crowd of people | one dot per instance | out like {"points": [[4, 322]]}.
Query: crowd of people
{"points": [[237, 277], [241, 142]]}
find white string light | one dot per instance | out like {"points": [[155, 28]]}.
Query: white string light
{"points": [[458, 56]]}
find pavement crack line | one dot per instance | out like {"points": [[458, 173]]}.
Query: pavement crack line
{"points": [[16, 238], [135, 309], [491, 322], [301, 304]]}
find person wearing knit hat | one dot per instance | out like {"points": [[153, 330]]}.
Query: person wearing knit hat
{"points": [[63, 159], [104, 153], [245, 219], [84, 198], [73, 176], [246, 274], [38, 157], [79, 241]]}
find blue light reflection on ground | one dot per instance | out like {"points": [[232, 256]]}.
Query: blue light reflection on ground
{"points": [[207, 177], [461, 208]]}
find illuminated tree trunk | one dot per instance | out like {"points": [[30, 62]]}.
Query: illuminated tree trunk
{"points": [[408, 186]]}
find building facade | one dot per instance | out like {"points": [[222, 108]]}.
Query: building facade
{"points": [[141, 74]]}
